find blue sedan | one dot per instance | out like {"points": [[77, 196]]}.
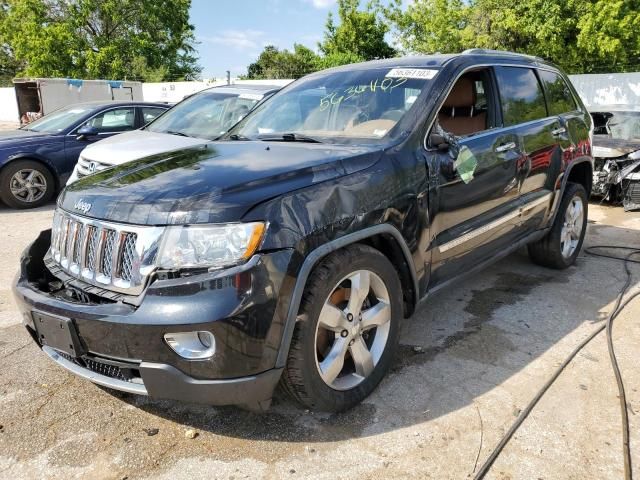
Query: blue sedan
{"points": [[37, 159]]}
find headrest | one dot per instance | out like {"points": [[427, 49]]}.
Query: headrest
{"points": [[462, 95]]}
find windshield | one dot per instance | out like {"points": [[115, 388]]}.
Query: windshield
{"points": [[59, 120], [358, 106], [619, 125], [205, 115]]}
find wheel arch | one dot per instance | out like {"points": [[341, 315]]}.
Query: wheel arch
{"points": [[33, 158], [579, 171], [386, 239]]}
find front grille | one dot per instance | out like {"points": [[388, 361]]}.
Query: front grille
{"points": [[126, 373], [106, 265], [87, 167], [113, 256], [104, 369], [631, 195]]}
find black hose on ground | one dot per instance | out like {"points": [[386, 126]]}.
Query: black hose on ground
{"points": [[619, 306]]}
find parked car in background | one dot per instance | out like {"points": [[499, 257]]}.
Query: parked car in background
{"points": [[198, 119], [616, 150], [291, 251], [37, 159]]}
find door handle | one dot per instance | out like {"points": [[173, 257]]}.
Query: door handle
{"points": [[558, 131], [505, 147]]}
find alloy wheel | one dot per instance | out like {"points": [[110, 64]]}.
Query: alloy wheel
{"points": [[28, 185], [572, 227], [352, 330]]}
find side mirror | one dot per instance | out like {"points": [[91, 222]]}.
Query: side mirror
{"points": [[438, 141], [86, 131]]}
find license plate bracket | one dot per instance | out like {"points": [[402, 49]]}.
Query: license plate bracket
{"points": [[58, 332]]}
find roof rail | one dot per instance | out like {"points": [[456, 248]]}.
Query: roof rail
{"points": [[487, 51]]}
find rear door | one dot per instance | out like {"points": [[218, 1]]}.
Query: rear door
{"points": [[542, 136], [478, 206]]}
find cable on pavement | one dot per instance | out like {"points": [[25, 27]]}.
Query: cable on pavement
{"points": [[608, 326]]}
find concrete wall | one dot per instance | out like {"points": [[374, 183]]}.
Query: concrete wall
{"points": [[8, 105], [608, 89]]}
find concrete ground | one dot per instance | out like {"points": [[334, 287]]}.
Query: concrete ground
{"points": [[471, 359]]}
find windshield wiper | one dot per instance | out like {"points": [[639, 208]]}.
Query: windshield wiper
{"points": [[237, 136], [291, 137], [180, 134]]}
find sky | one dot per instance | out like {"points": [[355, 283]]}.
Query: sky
{"points": [[231, 34]]}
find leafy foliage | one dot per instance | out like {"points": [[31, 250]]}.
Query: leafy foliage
{"points": [[135, 39], [359, 36], [580, 35]]}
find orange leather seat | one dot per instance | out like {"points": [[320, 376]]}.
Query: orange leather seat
{"points": [[457, 115]]}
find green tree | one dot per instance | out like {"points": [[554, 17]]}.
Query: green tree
{"points": [[360, 33], [101, 38], [579, 35], [274, 63]]}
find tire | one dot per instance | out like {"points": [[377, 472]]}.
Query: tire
{"points": [[313, 343], [37, 182], [552, 251]]}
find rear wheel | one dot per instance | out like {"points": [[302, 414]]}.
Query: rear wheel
{"points": [[26, 184], [347, 332], [561, 246]]}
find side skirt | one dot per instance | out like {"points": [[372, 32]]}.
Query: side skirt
{"points": [[532, 237]]}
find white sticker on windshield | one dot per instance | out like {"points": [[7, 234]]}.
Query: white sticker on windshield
{"points": [[250, 96], [420, 73]]}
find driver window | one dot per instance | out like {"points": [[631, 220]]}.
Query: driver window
{"points": [[468, 108]]}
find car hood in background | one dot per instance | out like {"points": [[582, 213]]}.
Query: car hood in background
{"points": [[136, 144], [607, 147], [21, 137], [212, 183]]}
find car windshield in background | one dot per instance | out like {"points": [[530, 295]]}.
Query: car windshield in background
{"points": [[619, 125], [358, 106], [205, 115], [59, 120]]}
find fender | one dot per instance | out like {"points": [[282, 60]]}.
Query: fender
{"points": [[318, 254], [564, 176]]}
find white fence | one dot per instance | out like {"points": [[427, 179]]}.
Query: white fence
{"points": [[608, 88], [8, 105], [173, 92]]}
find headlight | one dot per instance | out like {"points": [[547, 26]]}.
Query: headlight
{"points": [[198, 246]]}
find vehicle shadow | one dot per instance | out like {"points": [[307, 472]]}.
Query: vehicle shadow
{"points": [[459, 345]]}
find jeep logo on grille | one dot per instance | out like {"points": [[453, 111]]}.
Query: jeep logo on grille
{"points": [[84, 207]]}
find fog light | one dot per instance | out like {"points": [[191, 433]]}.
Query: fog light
{"points": [[192, 345]]}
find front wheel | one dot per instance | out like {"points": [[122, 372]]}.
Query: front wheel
{"points": [[561, 246], [26, 184], [347, 331]]}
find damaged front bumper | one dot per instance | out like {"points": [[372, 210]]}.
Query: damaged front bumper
{"points": [[618, 179], [122, 346]]}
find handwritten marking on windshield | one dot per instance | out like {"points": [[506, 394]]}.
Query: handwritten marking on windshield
{"points": [[377, 85]]}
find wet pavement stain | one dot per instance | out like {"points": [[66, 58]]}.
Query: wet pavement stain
{"points": [[509, 289]]}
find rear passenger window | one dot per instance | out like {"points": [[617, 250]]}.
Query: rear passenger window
{"points": [[521, 95], [559, 97]]}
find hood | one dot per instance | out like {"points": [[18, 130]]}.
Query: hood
{"points": [[607, 147], [213, 183], [136, 144], [21, 137]]}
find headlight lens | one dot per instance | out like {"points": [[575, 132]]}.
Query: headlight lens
{"points": [[213, 246]]}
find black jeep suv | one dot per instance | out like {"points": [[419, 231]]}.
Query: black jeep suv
{"points": [[291, 250]]}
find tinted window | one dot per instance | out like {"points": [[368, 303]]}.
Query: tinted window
{"points": [[150, 113], [521, 95], [59, 120], [559, 97], [117, 120]]}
